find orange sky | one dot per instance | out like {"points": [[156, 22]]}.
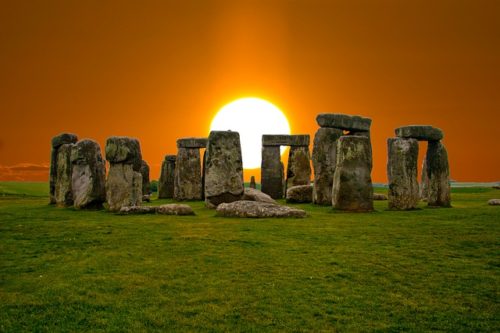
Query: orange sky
{"points": [[160, 70]]}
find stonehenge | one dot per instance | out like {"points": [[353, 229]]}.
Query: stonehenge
{"points": [[124, 182], [188, 182], [63, 192], [166, 181], [146, 185], [438, 175], [223, 168], [252, 182], [57, 142], [298, 172]]}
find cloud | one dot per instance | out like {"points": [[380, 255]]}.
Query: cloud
{"points": [[24, 172]]}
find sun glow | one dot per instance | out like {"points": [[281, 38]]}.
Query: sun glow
{"points": [[251, 117]]}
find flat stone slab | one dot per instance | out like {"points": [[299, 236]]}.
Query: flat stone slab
{"points": [[168, 209], [192, 143], [379, 197], [63, 138], [494, 202], [299, 194], [420, 132], [296, 140], [252, 194], [344, 121], [255, 209]]}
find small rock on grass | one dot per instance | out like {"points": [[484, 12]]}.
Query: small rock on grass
{"points": [[494, 202], [168, 209]]}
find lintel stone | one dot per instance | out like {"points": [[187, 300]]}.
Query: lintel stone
{"points": [[192, 143], [296, 140], [344, 121], [420, 132]]}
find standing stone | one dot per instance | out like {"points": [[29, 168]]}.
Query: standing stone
{"points": [[299, 167], [223, 168], [424, 182], [63, 193], [352, 183], [57, 142], [166, 182], [324, 160], [187, 175], [88, 175], [272, 175], [146, 185], [252, 182], [438, 173], [124, 182], [402, 173]]}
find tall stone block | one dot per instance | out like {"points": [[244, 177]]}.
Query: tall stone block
{"points": [[166, 181], [402, 173], [438, 174], [56, 143], [223, 168], [324, 160], [63, 193], [88, 175], [352, 183], [272, 174], [299, 167], [146, 185], [424, 182], [187, 175]]}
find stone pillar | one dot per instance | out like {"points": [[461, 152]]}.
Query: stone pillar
{"points": [[424, 182], [187, 176], [57, 142], [352, 184], [402, 173], [438, 174], [252, 182], [299, 167], [223, 168], [63, 193], [88, 175], [324, 160], [124, 182], [166, 182], [146, 185], [272, 178]]}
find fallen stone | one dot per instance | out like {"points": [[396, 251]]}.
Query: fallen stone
{"points": [[352, 183], [494, 202], [175, 209], [122, 149], [344, 121], [192, 143], [133, 210], [272, 172], [251, 194], [379, 197], [166, 181], [63, 193], [420, 132], [223, 168], [88, 175], [324, 157], [438, 174], [496, 187], [299, 194], [296, 140], [257, 209], [187, 175], [299, 167]]}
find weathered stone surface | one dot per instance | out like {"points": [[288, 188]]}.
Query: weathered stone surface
{"points": [[299, 167], [438, 173], [299, 194], [424, 182], [123, 186], [379, 197], [122, 149], [146, 185], [272, 172], [402, 173], [344, 121], [420, 132], [352, 183], [223, 168], [252, 182], [251, 194], [494, 202], [257, 209], [166, 181], [187, 175], [324, 157], [63, 193], [298, 140], [134, 210], [57, 141], [88, 175], [146, 197], [192, 143], [175, 209]]}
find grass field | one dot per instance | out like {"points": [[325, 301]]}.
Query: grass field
{"points": [[424, 270]]}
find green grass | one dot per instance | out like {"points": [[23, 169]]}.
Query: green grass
{"points": [[424, 270]]}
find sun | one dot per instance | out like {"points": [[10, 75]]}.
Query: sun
{"points": [[251, 117]]}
